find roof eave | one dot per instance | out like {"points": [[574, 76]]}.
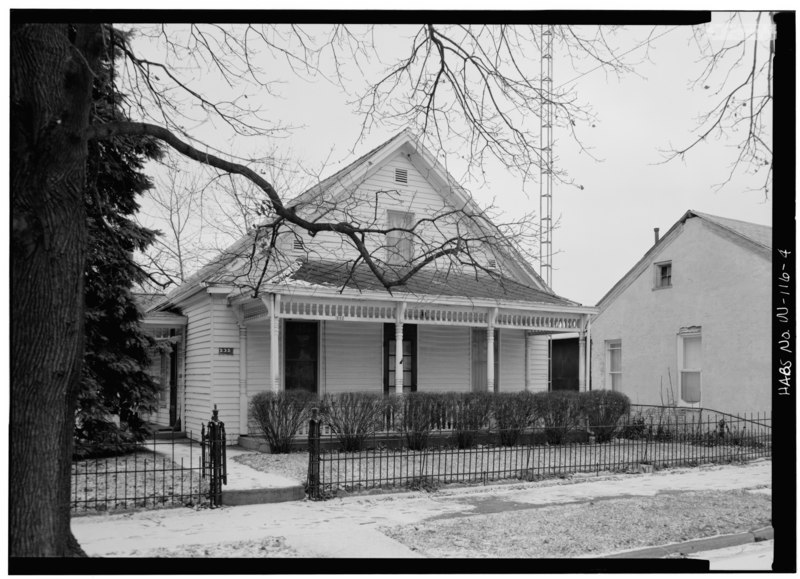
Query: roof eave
{"points": [[372, 295]]}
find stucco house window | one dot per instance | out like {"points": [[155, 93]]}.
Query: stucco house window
{"points": [[399, 244], [663, 275], [614, 364], [690, 363]]}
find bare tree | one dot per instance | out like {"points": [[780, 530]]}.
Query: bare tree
{"points": [[737, 54], [175, 204]]}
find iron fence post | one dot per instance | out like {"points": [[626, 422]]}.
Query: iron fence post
{"points": [[217, 469], [313, 454]]}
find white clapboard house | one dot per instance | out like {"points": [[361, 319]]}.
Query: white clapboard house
{"points": [[314, 319]]}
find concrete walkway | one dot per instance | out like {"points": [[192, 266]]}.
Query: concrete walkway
{"points": [[245, 485], [348, 527]]}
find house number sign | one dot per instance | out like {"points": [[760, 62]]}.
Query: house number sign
{"points": [[226, 351]]}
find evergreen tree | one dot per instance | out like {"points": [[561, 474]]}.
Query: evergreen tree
{"points": [[114, 380]]}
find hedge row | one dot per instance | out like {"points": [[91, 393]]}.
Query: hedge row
{"points": [[355, 416]]}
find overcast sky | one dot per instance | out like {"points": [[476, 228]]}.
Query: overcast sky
{"points": [[607, 226]]}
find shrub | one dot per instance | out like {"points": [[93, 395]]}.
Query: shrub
{"points": [[468, 412], [280, 415], [513, 412], [560, 411], [418, 415], [603, 410], [634, 428], [103, 438], [353, 416]]}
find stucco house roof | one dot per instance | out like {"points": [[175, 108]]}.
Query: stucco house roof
{"points": [[478, 285], [759, 234], [757, 238], [215, 271]]}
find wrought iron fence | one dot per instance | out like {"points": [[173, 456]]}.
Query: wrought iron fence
{"points": [[152, 474], [647, 437]]}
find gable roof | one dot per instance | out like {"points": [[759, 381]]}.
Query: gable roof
{"points": [[758, 238], [334, 185], [478, 285], [761, 235]]}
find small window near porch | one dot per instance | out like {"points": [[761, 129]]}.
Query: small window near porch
{"points": [[663, 275]]}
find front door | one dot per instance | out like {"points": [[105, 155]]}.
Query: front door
{"points": [[564, 364], [301, 348], [409, 358]]}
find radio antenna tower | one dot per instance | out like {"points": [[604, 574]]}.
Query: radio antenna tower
{"points": [[546, 161]]}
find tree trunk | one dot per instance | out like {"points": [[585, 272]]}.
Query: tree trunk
{"points": [[51, 90]]}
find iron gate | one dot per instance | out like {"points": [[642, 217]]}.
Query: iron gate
{"points": [[214, 460]]}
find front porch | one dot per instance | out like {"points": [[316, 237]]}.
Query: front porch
{"points": [[325, 340]]}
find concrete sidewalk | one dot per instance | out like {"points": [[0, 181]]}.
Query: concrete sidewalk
{"points": [[348, 527], [245, 485]]}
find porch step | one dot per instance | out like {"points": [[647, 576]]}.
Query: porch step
{"points": [[262, 496], [167, 434]]}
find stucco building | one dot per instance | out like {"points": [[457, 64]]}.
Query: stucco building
{"points": [[690, 323]]}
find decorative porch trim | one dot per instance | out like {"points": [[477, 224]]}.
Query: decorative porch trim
{"points": [[311, 308]]}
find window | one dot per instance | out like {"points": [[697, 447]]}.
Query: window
{"points": [[480, 380], [690, 363], [663, 275], [399, 244], [614, 364], [401, 176], [409, 362]]}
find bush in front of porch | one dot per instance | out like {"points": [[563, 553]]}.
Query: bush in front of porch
{"points": [[354, 416], [280, 415]]}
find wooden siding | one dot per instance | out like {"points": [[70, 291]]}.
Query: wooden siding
{"points": [[416, 196], [538, 363], [197, 388], [258, 373], [257, 358], [512, 360], [225, 368], [444, 359], [353, 357]]}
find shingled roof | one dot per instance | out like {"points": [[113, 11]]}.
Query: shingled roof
{"points": [[478, 285], [759, 234]]}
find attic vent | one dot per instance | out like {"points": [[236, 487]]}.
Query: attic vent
{"points": [[297, 245], [401, 176], [492, 264]]}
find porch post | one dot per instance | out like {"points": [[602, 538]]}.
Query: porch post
{"points": [[490, 351], [398, 348], [588, 348], [242, 376], [582, 357], [274, 363], [527, 360]]}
